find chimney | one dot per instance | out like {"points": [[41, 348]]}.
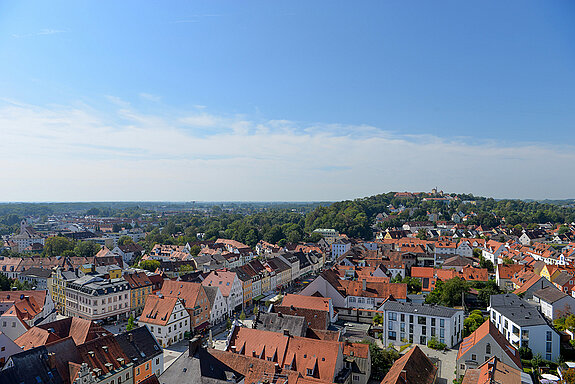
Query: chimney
{"points": [[286, 332], [403, 375], [52, 360], [233, 349], [130, 337], [193, 346], [278, 368], [280, 314], [254, 354], [364, 284]]}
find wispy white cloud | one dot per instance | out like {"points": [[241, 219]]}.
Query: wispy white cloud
{"points": [[42, 32], [80, 153], [150, 97]]}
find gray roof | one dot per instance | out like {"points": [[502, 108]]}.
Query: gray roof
{"points": [[278, 322], [519, 311], [420, 309], [457, 261], [139, 344], [203, 368], [549, 294], [37, 272], [211, 292], [563, 278]]}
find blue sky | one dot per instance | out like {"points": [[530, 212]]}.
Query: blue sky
{"points": [[298, 100]]}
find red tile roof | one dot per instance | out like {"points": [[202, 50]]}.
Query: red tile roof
{"points": [[413, 367], [492, 371], [488, 328], [158, 310], [309, 302], [186, 291], [222, 279]]}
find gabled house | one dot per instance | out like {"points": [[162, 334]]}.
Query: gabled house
{"points": [[194, 299], [554, 303], [495, 371], [523, 325], [487, 341], [144, 351], [21, 310], [230, 286], [413, 367], [218, 304], [166, 318]]}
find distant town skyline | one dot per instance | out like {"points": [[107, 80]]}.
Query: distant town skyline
{"points": [[294, 101]]}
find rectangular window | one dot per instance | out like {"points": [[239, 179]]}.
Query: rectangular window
{"points": [[548, 338], [392, 335], [422, 340], [411, 318], [403, 317], [421, 320], [442, 323], [433, 321], [473, 357], [548, 348], [391, 325]]}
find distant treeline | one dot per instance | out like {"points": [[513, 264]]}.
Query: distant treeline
{"points": [[250, 222]]}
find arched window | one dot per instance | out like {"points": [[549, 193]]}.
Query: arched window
{"points": [[488, 348]]}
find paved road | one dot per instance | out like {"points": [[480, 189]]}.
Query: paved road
{"points": [[446, 363], [174, 351]]}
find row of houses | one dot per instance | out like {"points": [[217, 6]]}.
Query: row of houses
{"points": [[74, 350]]}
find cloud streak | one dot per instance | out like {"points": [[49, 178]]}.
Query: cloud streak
{"points": [[71, 153], [42, 32]]}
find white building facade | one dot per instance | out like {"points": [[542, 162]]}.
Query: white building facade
{"points": [[418, 323]]}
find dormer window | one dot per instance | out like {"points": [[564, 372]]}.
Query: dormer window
{"points": [[309, 371]]}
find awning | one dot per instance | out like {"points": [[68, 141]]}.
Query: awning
{"points": [[202, 326], [258, 298]]}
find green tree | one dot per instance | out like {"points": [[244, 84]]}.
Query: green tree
{"points": [[242, 316], [448, 293], [57, 245], [315, 237], [525, 353], [508, 261], [381, 359], [422, 234], [472, 322], [5, 283], [86, 248], [125, 240], [195, 250], [489, 288], [21, 285], [536, 361], [131, 323], [487, 264], [150, 265], [563, 230], [186, 268]]}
